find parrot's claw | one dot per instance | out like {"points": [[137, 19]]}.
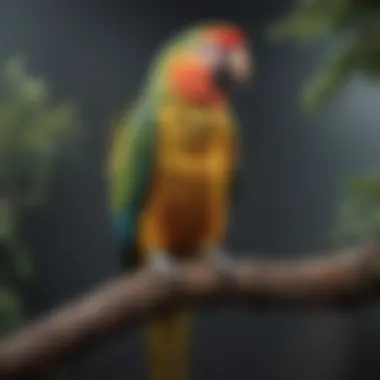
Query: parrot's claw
{"points": [[163, 265], [223, 262]]}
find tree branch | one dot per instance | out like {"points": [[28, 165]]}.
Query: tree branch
{"points": [[342, 280]]}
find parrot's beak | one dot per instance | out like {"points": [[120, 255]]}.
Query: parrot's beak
{"points": [[240, 65], [235, 69]]}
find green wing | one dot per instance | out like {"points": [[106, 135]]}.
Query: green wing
{"points": [[131, 168]]}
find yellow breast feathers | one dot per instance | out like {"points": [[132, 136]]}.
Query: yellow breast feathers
{"points": [[192, 138]]}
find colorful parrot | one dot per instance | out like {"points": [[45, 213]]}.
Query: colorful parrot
{"points": [[172, 169]]}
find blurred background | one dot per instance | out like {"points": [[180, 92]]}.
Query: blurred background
{"points": [[70, 69]]}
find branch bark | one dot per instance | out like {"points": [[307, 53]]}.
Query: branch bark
{"points": [[344, 279]]}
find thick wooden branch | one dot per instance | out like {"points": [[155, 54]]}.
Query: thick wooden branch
{"points": [[341, 280]]}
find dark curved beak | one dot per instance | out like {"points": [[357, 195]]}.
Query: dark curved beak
{"points": [[237, 68]]}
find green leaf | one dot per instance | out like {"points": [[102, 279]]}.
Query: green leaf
{"points": [[332, 77], [359, 214], [11, 311], [342, 20], [20, 259], [301, 26], [34, 134]]}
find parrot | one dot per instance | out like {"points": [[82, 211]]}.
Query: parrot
{"points": [[172, 170]]}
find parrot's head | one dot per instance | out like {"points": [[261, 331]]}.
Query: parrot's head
{"points": [[205, 63]]}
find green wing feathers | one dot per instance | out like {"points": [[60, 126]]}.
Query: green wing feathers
{"points": [[131, 165]]}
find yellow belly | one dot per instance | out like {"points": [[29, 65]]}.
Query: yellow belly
{"points": [[181, 209], [184, 210], [188, 202]]}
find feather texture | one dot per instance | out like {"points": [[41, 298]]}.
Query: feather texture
{"points": [[130, 170]]}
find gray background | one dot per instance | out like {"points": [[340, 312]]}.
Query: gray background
{"points": [[96, 54]]}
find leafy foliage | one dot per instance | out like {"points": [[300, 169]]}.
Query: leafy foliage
{"points": [[354, 28], [33, 135], [11, 313], [359, 216], [353, 25]]}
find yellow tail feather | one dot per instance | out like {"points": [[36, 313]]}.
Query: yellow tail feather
{"points": [[168, 347]]}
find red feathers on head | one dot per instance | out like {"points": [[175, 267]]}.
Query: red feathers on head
{"points": [[227, 36]]}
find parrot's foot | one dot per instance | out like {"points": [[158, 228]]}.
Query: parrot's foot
{"points": [[223, 263], [162, 264]]}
